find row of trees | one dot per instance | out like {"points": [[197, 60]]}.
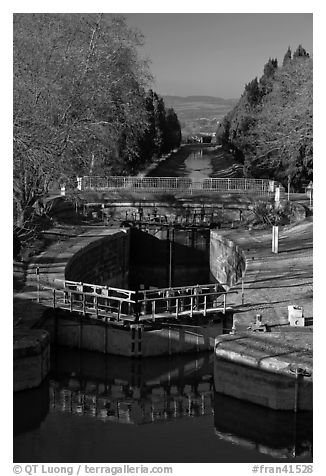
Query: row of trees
{"points": [[82, 102], [270, 128]]}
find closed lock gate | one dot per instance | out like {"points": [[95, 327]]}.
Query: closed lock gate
{"points": [[116, 304]]}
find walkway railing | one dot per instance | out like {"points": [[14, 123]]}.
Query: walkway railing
{"points": [[180, 184], [116, 304]]}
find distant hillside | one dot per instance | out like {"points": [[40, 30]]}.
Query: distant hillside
{"points": [[199, 113], [270, 128]]}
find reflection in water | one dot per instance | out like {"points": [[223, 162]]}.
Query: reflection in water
{"points": [[116, 399], [197, 166], [126, 391], [199, 163], [281, 434]]}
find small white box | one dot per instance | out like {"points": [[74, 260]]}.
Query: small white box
{"points": [[295, 316]]}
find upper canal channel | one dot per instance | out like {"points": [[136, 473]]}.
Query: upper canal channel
{"points": [[108, 409]]}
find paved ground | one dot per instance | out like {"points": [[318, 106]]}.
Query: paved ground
{"points": [[275, 281]]}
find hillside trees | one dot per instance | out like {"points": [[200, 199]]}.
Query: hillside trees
{"points": [[271, 126], [80, 104]]}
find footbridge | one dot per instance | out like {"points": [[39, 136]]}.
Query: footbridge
{"points": [[182, 185], [123, 305]]}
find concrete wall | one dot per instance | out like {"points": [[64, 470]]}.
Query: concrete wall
{"points": [[255, 385], [103, 261], [177, 208], [96, 335], [31, 358], [227, 260]]}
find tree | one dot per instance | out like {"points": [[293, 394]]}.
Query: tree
{"points": [[283, 132], [159, 119], [287, 56], [300, 51], [172, 131], [78, 93], [266, 81], [271, 125], [253, 92], [146, 141]]}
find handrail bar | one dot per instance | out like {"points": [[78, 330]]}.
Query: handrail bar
{"points": [[83, 293], [170, 298], [191, 286], [92, 285]]}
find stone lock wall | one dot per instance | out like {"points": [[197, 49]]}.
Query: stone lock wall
{"points": [[103, 261], [227, 260]]}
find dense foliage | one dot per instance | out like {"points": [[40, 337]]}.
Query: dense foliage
{"points": [[270, 128], [80, 102]]}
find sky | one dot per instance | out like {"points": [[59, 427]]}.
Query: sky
{"points": [[216, 54]]}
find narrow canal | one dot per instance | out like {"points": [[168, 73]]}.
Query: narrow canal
{"points": [[109, 409], [198, 163]]}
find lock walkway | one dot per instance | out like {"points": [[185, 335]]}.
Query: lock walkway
{"points": [[275, 281]]}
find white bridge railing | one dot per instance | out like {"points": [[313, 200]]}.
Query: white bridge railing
{"points": [[180, 184]]}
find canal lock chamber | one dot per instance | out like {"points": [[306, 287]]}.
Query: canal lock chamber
{"points": [[155, 258]]}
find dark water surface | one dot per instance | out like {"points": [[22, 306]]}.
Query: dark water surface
{"points": [[107, 409]]}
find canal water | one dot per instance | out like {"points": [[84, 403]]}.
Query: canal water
{"points": [[109, 409], [199, 163]]}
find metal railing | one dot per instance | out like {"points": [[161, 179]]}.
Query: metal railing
{"points": [[117, 304], [181, 184]]}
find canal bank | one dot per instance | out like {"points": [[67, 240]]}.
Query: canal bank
{"points": [[267, 361]]}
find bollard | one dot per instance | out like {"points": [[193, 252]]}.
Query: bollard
{"points": [[258, 319], [275, 239]]}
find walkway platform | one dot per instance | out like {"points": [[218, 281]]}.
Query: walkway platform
{"points": [[274, 281]]}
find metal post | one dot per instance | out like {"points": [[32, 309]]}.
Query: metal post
{"points": [[177, 308], [275, 239], [84, 304], [170, 259], [224, 303], [96, 306], [296, 390], [53, 298], [38, 283], [153, 310], [205, 305], [119, 310]]}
